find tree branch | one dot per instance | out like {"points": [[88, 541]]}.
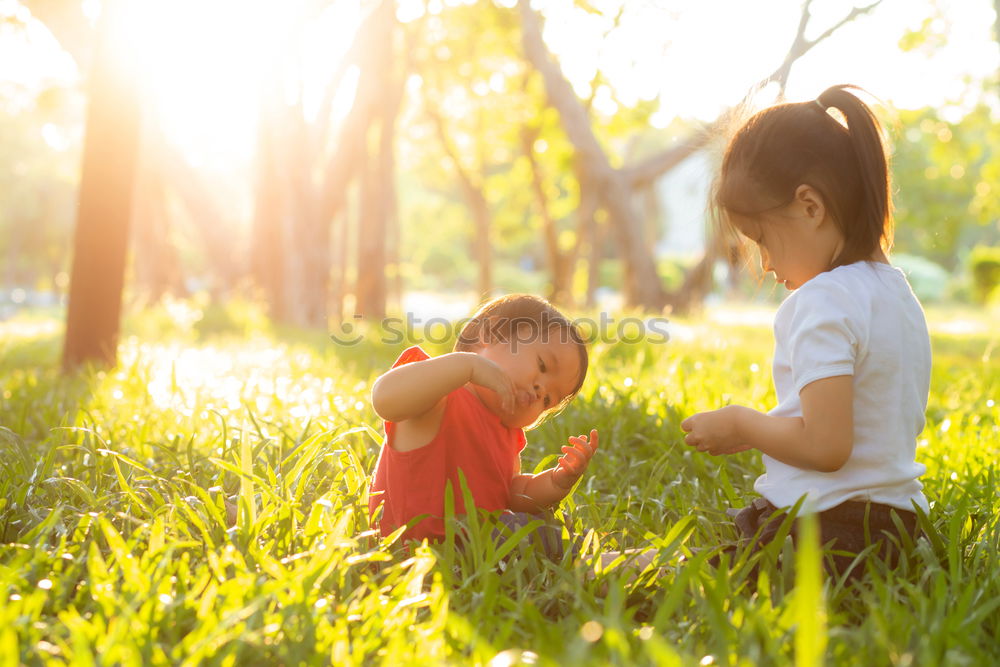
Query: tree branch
{"points": [[854, 13], [560, 93], [468, 183], [66, 22], [643, 173], [352, 136], [801, 46], [353, 55]]}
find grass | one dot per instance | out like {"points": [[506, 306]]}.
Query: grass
{"points": [[115, 547]]}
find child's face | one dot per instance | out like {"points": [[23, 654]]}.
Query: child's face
{"points": [[796, 243], [544, 369]]}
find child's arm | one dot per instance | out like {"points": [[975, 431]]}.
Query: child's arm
{"points": [[821, 439], [411, 390], [530, 493]]}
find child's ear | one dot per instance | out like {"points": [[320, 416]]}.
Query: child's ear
{"points": [[486, 334], [811, 203], [470, 336]]}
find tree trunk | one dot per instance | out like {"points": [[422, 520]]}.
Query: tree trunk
{"points": [[211, 220], [560, 289], [697, 285], [471, 186], [611, 186], [642, 285], [588, 237], [378, 204], [155, 263], [370, 287], [291, 237], [102, 226], [267, 259], [594, 268], [292, 254], [350, 144], [338, 283], [387, 177], [482, 247], [68, 24], [394, 289], [996, 30], [309, 240], [595, 234]]}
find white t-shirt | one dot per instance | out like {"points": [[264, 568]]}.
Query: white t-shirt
{"points": [[861, 320]]}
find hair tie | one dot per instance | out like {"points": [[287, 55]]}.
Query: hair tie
{"points": [[822, 107]]}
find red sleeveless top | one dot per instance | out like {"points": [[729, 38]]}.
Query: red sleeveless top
{"points": [[470, 439]]}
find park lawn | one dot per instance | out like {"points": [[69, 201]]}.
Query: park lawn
{"points": [[115, 548]]}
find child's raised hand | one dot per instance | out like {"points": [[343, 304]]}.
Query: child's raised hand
{"points": [[487, 374], [574, 460], [715, 432]]}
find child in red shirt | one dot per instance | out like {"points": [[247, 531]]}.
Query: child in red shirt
{"points": [[517, 360]]}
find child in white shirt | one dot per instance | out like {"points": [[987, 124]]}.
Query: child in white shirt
{"points": [[852, 354]]}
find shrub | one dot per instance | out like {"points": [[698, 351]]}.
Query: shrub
{"points": [[671, 270], [984, 265], [928, 279]]}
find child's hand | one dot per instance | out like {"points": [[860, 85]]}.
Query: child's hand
{"points": [[487, 374], [574, 460], [716, 432]]}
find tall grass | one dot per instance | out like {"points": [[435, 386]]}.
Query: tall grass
{"points": [[206, 502]]}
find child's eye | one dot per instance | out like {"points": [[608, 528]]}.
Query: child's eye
{"points": [[541, 366], [547, 401]]}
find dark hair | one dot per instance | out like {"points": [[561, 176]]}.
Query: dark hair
{"points": [[791, 144], [500, 318]]}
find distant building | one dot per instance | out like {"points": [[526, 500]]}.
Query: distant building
{"points": [[682, 197]]}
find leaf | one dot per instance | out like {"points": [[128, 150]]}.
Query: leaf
{"points": [[810, 606]]}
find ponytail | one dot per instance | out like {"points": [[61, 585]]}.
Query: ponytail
{"points": [[873, 228], [792, 144]]}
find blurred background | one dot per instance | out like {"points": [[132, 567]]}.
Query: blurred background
{"points": [[318, 161]]}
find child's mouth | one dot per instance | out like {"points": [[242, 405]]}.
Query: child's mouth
{"points": [[524, 398]]}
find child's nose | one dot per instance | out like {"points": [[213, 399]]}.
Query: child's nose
{"points": [[539, 390], [765, 262]]}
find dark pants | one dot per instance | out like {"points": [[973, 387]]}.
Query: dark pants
{"points": [[547, 538], [846, 530]]}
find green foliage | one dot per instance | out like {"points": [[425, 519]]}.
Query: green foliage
{"points": [[928, 280], [196, 318], [945, 177], [673, 269], [206, 501], [37, 188], [471, 71], [670, 269], [930, 37], [984, 265]]}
